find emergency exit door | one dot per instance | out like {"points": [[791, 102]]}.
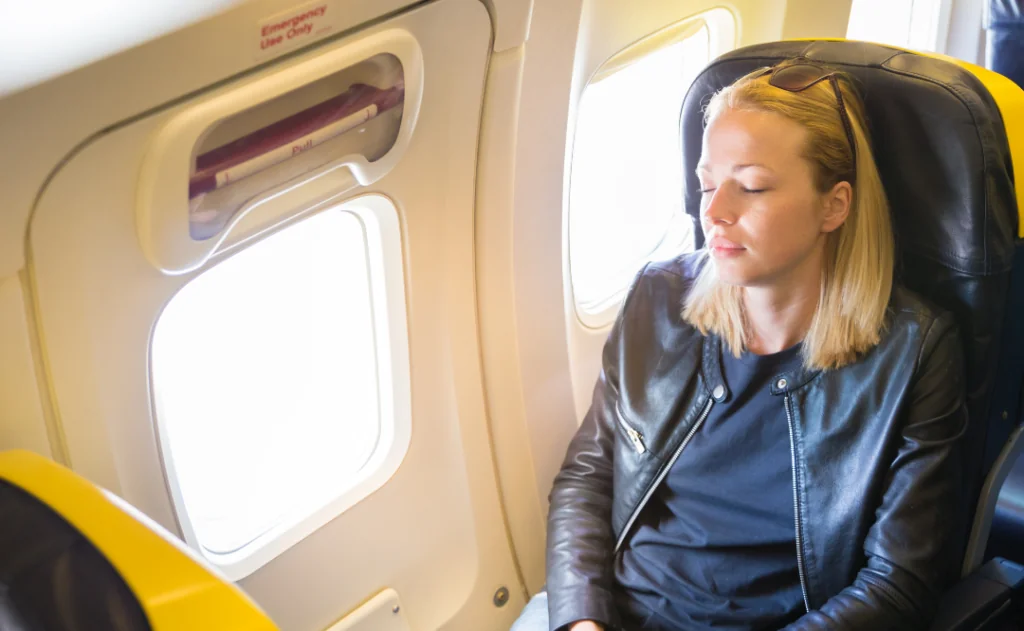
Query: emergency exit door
{"points": [[258, 318]]}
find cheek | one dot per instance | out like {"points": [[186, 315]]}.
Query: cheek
{"points": [[782, 228]]}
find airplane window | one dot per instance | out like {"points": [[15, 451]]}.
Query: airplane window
{"points": [[265, 379], [914, 24], [626, 180]]}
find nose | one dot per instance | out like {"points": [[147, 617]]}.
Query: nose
{"points": [[717, 207]]}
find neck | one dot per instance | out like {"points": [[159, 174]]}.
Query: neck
{"points": [[779, 316]]}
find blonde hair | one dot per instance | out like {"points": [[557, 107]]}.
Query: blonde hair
{"points": [[857, 276]]}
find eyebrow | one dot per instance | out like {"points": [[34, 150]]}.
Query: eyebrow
{"points": [[703, 167]]}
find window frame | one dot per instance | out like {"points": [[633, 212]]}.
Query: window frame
{"points": [[382, 232]]}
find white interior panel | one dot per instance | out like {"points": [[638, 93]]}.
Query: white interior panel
{"points": [[506, 401], [114, 25], [511, 22], [136, 78], [439, 514], [22, 425], [383, 612]]}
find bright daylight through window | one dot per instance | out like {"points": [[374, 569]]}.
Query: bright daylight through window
{"points": [[914, 24], [265, 377], [626, 181]]}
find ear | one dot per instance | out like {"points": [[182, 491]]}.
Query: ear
{"points": [[836, 204]]}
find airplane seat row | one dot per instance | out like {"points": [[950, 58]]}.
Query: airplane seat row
{"points": [[945, 135]]}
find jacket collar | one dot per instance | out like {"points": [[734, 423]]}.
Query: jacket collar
{"points": [[711, 366], [794, 379]]}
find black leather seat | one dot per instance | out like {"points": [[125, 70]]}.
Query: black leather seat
{"points": [[945, 161], [1005, 45]]}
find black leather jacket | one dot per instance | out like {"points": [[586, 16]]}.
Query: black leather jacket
{"points": [[875, 450]]}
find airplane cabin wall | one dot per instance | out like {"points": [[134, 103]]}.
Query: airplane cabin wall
{"points": [[41, 128], [22, 423], [539, 363], [39, 133], [463, 544]]}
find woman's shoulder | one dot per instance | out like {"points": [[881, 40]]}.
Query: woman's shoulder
{"points": [[908, 305], [682, 269], [660, 289], [668, 281], [686, 267], [914, 316]]}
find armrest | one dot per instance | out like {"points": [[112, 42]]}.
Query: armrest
{"points": [[987, 596]]}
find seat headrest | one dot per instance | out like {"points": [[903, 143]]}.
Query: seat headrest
{"points": [[938, 139]]}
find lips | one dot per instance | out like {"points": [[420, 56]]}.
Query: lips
{"points": [[722, 248], [721, 243]]}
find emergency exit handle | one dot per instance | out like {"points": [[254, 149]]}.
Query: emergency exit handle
{"points": [[263, 148]]}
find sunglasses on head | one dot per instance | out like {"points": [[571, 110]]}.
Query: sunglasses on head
{"points": [[798, 77]]}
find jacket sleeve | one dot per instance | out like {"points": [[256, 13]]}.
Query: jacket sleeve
{"points": [[580, 544], [912, 548]]}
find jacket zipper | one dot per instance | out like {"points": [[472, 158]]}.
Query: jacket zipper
{"points": [[635, 437], [796, 510], [661, 474]]}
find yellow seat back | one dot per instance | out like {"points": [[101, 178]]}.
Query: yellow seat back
{"points": [[73, 556]]}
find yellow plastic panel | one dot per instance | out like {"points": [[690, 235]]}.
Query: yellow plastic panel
{"points": [[173, 587]]}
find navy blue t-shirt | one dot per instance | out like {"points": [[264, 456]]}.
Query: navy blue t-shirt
{"points": [[715, 547]]}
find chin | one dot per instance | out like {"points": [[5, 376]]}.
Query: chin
{"points": [[735, 273]]}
